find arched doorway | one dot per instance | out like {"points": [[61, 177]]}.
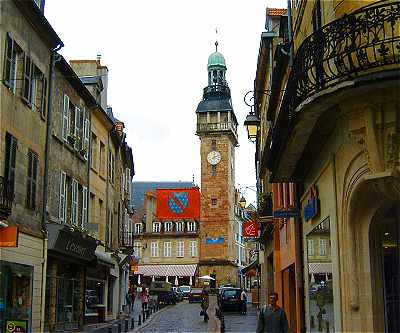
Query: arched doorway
{"points": [[385, 264]]}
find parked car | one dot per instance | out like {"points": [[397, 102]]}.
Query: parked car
{"points": [[195, 295], [230, 299], [164, 292], [221, 289], [177, 294], [186, 291]]}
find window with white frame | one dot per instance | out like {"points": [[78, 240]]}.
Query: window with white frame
{"points": [[322, 247], [154, 249], [138, 228], [167, 249], [179, 226], [191, 226], [193, 248], [168, 226], [137, 247], [180, 249], [111, 167], [156, 227], [310, 247]]}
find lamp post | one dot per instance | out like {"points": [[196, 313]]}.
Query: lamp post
{"points": [[252, 122]]}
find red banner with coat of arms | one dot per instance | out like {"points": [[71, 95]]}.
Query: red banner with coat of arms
{"points": [[178, 203]]}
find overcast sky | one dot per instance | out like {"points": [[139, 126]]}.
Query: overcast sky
{"points": [[156, 52]]}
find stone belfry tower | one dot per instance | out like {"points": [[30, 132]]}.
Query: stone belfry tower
{"points": [[217, 130]]}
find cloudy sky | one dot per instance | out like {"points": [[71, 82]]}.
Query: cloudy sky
{"points": [[156, 52]]}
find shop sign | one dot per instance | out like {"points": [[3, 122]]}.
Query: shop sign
{"points": [[16, 326], [285, 214], [9, 237], [311, 209], [250, 229], [219, 240], [75, 245]]}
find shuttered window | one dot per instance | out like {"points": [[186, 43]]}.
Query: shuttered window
{"points": [[84, 206], [10, 63], [77, 127], [27, 82], [65, 118], [74, 202], [43, 98], [62, 197], [86, 133], [11, 156], [31, 180]]}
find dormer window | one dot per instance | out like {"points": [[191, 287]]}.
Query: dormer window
{"points": [[179, 226], [168, 226], [156, 227], [191, 226], [138, 228]]}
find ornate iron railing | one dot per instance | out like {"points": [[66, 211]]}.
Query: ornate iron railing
{"points": [[355, 45], [6, 198]]}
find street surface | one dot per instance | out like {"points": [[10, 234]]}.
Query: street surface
{"points": [[235, 322]]}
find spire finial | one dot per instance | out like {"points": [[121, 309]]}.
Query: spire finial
{"points": [[216, 40]]}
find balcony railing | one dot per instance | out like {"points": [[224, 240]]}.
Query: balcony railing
{"points": [[355, 45], [6, 198]]}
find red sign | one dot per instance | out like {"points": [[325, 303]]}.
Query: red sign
{"points": [[9, 237], [178, 203], [250, 229]]}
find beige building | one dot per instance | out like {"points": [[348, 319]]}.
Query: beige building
{"points": [[167, 249], [27, 42]]}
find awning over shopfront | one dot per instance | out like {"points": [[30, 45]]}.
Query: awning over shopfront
{"points": [[105, 258], [320, 268], [166, 270], [249, 267]]}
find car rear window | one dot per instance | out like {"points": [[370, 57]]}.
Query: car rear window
{"points": [[231, 293], [197, 291]]}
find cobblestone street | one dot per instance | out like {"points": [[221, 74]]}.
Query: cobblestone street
{"points": [[235, 322]]}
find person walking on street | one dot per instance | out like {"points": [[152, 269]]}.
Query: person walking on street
{"points": [[243, 301], [205, 302], [144, 297], [272, 318]]}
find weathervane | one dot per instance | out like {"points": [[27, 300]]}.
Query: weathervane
{"points": [[216, 40]]}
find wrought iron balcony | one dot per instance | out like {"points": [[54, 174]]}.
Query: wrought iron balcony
{"points": [[358, 44], [6, 198]]}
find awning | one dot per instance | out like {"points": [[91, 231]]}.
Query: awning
{"points": [[320, 268], [166, 270], [104, 258], [249, 267]]}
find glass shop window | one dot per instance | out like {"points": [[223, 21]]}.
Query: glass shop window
{"points": [[15, 293]]}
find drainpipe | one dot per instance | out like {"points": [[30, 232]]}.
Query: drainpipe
{"points": [[46, 178], [290, 33]]}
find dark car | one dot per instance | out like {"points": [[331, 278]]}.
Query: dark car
{"points": [[177, 294], [195, 295], [230, 299], [163, 291], [186, 291]]}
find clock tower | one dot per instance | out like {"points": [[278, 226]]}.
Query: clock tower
{"points": [[217, 130]]}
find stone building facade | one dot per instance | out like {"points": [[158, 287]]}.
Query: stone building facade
{"points": [[334, 134]]}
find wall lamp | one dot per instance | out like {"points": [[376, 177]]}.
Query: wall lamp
{"points": [[252, 122]]}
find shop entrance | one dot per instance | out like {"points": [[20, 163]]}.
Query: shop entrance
{"points": [[387, 249]]}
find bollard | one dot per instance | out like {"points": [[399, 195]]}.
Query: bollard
{"points": [[139, 321], [119, 328], [132, 323], [110, 329], [126, 325], [222, 324]]}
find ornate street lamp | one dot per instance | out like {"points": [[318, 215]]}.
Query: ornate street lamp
{"points": [[252, 122], [242, 202]]}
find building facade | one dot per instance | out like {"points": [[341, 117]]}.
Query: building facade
{"points": [[217, 131], [330, 134]]}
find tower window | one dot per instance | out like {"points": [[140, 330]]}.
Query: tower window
{"points": [[214, 202], [213, 170], [213, 144]]}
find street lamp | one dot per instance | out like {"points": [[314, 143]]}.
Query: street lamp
{"points": [[242, 202], [252, 122]]}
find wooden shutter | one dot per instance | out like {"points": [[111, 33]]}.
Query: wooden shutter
{"points": [[11, 156], [84, 206], [27, 82], [74, 203], [86, 135], [8, 61], [43, 100], [77, 129], [65, 118], [62, 197], [31, 180]]}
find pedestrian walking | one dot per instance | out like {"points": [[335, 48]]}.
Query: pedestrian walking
{"points": [[272, 318], [128, 299], [144, 297], [243, 300], [205, 302]]}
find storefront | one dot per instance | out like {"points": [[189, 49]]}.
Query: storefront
{"points": [[70, 253]]}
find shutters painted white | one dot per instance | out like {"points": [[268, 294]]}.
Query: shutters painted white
{"points": [[84, 206], [77, 129], [65, 118], [86, 134], [74, 208], [62, 197]]}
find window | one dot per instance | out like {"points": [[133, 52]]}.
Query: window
{"points": [[62, 216], [109, 223], [180, 249], [11, 156], [168, 226], [213, 144], [191, 226], [74, 202], [167, 249], [156, 227], [27, 80], [310, 247], [84, 206], [214, 202], [179, 226], [31, 180], [93, 152], [111, 166], [85, 125], [101, 158], [65, 118], [154, 249], [137, 247], [138, 228], [213, 170], [193, 248], [322, 247], [12, 56]]}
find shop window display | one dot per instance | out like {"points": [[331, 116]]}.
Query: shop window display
{"points": [[320, 291], [94, 298], [15, 293]]}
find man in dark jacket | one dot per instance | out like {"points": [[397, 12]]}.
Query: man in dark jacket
{"points": [[272, 318]]}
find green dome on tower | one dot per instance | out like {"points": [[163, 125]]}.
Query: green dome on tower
{"points": [[216, 59]]}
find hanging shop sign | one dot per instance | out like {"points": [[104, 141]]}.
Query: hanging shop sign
{"points": [[251, 229], [9, 237], [16, 326], [311, 209], [286, 213]]}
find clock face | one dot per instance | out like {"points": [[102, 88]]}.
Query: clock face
{"points": [[214, 157]]}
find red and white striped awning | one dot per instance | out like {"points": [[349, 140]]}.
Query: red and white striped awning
{"points": [[167, 270], [320, 268]]}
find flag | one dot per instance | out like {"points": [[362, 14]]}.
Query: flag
{"points": [[178, 203]]}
